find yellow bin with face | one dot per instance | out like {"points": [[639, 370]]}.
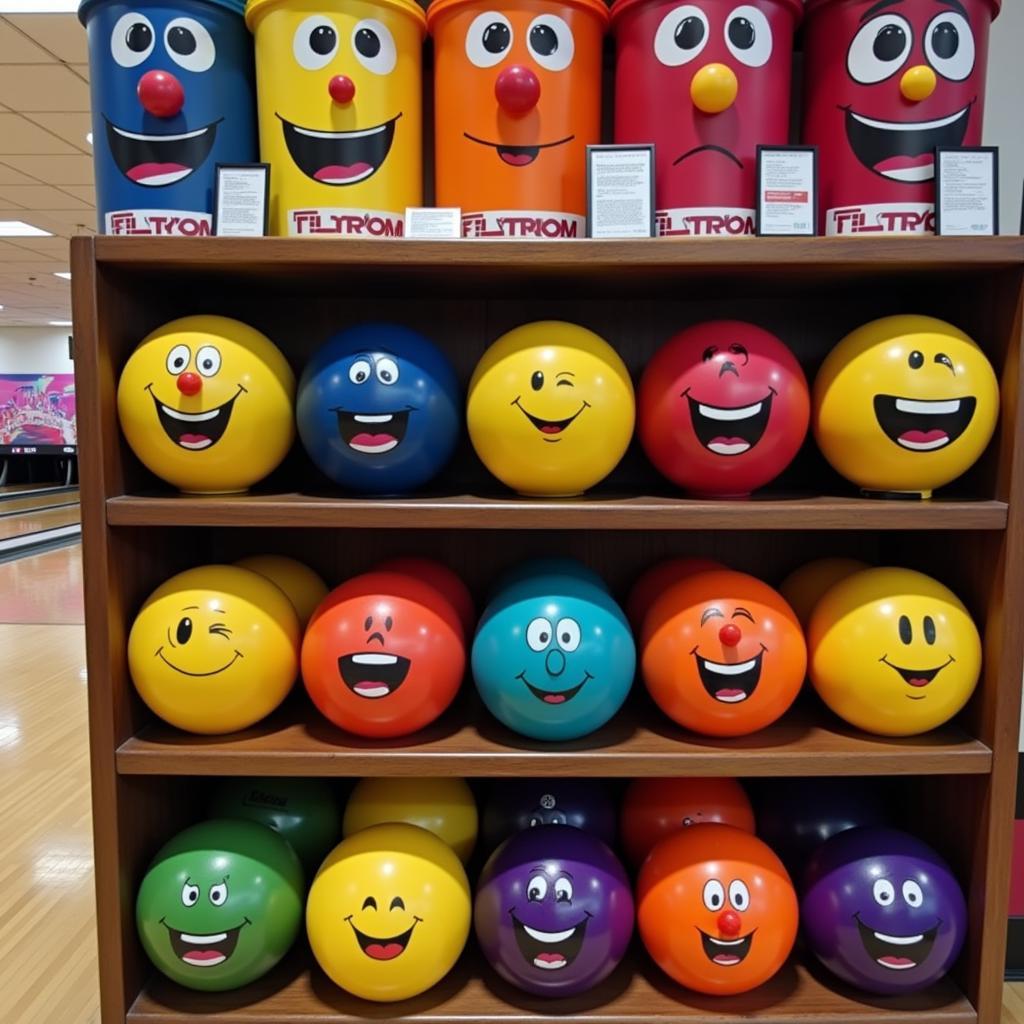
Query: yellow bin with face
{"points": [[339, 84]]}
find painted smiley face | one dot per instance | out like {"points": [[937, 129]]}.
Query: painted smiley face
{"points": [[221, 904], [882, 910]]}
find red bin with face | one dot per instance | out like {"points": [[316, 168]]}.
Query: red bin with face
{"points": [[885, 84], [707, 83]]}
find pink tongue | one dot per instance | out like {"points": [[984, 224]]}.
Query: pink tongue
{"points": [[382, 951], [551, 428], [515, 159], [728, 693], [919, 682], [728, 440], [923, 436], [726, 958], [142, 171], [896, 961], [554, 698], [200, 956], [193, 438], [372, 440], [550, 958], [902, 163], [368, 684], [340, 172]]}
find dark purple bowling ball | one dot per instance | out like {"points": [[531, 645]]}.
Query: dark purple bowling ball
{"points": [[882, 910], [510, 807], [553, 911]]}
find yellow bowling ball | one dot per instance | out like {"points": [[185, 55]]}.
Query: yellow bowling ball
{"points": [[893, 651], [551, 409], [214, 649], [388, 913], [207, 403], [804, 587], [443, 806], [904, 405], [303, 587]]}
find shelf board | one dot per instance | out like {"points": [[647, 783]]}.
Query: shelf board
{"points": [[466, 741], [634, 994], [588, 512]]}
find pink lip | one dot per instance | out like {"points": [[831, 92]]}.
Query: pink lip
{"points": [[380, 951], [516, 159], [896, 961], [550, 958], [923, 436], [193, 438], [554, 698], [198, 956], [342, 172], [902, 163], [143, 171], [372, 440]]}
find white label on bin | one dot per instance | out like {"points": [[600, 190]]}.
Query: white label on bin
{"points": [[887, 218], [534, 225], [704, 221], [184, 223], [343, 221]]}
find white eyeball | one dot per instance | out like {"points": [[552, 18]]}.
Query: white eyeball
{"points": [[912, 893], [714, 894], [749, 36], [879, 49], [883, 892], [387, 370], [374, 46], [190, 45], [315, 42], [567, 633], [949, 45], [563, 890], [208, 360], [739, 895], [488, 39], [219, 894], [189, 894], [132, 39], [537, 888], [359, 372], [538, 634], [178, 358], [550, 42], [681, 36]]}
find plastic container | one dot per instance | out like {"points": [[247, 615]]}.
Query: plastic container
{"points": [[707, 84], [517, 91], [880, 95], [172, 96], [340, 111]]}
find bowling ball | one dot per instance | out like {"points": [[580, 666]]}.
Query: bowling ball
{"points": [[513, 805], [441, 578], [803, 588], [653, 582], [303, 587]]}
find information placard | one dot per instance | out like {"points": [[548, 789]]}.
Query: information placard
{"points": [[241, 200], [787, 190], [433, 222], [967, 191], [620, 191]]}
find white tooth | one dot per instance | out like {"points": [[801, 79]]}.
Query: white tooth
{"points": [[548, 936], [899, 940], [731, 942], [729, 414], [925, 172], [896, 967], [161, 138], [928, 408], [923, 446], [204, 963], [362, 133], [728, 449], [909, 126], [191, 417], [729, 670], [158, 180], [203, 940], [373, 449], [548, 965], [375, 659], [732, 699], [372, 691], [195, 446], [373, 419]]}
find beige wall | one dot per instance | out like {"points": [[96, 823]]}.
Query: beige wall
{"points": [[1004, 117], [35, 350]]}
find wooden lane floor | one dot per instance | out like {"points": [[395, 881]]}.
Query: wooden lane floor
{"points": [[34, 522], [43, 588], [37, 502]]}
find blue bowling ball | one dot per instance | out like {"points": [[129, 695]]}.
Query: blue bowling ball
{"points": [[554, 566], [379, 409], [553, 657]]}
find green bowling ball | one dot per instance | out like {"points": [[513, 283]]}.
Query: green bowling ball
{"points": [[220, 905]]}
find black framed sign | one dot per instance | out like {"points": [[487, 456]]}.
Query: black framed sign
{"points": [[241, 200], [787, 191], [967, 190], [620, 191]]}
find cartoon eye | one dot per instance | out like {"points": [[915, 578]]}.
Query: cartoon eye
{"points": [[131, 40], [681, 36], [550, 42], [538, 634], [178, 358], [537, 889], [375, 46], [949, 45], [929, 630], [879, 49], [906, 630], [190, 45], [387, 370], [397, 904], [749, 36], [189, 894], [219, 894], [567, 632], [488, 39], [883, 892], [219, 629], [708, 353], [184, 631], [944, 360], [537, 380], [739, 895], [563, 890], [315, 42], [915, 360], [714, 894], [208, 360], [912, 893], [359, 372], [388, 623], [369, 903]]}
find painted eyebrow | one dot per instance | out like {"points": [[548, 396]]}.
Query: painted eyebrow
{"points": [[711, 613], [565, 373], [957, 6], [190, 608], [220, 611], [743, 611], [880, 6]]}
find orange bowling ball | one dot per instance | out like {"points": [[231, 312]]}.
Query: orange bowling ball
{"points": [[651, 583], [438, 575], [723, 653], [716, 909], [655, 808]]}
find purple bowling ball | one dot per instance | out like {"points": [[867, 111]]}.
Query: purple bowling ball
{"points": [[882, 910], [510, 807], [554, 911]]}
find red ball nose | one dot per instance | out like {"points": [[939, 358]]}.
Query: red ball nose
{"points": [[161, 94], [730, 634], [190, 383], [517, 90], [342, 89], [729, 923]]}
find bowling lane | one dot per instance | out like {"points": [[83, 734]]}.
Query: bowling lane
{"points": [[33, 522], [43, 588], [38, 502]]}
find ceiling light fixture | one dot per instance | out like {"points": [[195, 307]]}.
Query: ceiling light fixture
{"points": [[66, 274], [60, 323], [88, 137], [19, 229]]}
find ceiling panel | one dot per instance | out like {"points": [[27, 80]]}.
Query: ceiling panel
{"points": [[43, 87], [87, 193], [16, 48], [41, 197], [54, 248], [56, 170], [19, 136], [61, 34], [71, 128], [82, 70], [9, 176]]}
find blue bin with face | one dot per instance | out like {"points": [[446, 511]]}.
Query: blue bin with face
{"points": [[553, 657], [172, 96]]}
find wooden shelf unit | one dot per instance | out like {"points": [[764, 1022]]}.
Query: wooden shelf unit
{"points": [[464, 294]]}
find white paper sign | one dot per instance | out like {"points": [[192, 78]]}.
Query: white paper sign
{"points": [[786, 199], [241, 201], [620, 187], [433, 222], [966, 192]]}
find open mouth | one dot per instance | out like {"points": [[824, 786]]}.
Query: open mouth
{"points": [[551, 429], [917, 677], [373, 675], [897, 952], [339, 158], [204, 950], [721, 150], [158, 160], [518, 156], [728, 682], [922, 426], [904, 150], [372, 433], [730, 431], [194, 431], [383, 949], [198, 675], [726, 952], [555, 696], [549, 951]]}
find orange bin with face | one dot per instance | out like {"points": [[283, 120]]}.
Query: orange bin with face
{"points": [[517, 88]]}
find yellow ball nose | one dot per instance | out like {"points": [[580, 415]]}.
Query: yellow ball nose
{"points": [[714, 88], [918, 83]]}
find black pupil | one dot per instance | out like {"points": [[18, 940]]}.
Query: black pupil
{"points": [[181, 40], [916, 360], [906, 633], [565, 638], [689, 33], [929, 629], [139, 37], [544, 638], [741, 33], [945, 40], [207, 363], [535, 893], [537, 381], [385, 375], [184, 630], [496, 37], [708, 353], [543, 40], [890, 43], [360, 375], [368, 44], [323, 39], [716, 901]]}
